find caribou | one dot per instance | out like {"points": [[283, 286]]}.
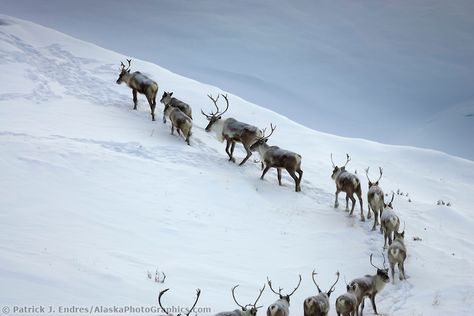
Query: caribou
{"points": [[281, 307], [167, 99], [247, 310], [347, 304], [375, 198], [371, 285], [276, 157], [397, 253], [231, 130], [140, 83], [389, 222], [318, 305], [348, 183], [179, 120], [165, 310]]}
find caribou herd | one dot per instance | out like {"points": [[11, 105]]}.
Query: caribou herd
{"points": [[254, 139]]}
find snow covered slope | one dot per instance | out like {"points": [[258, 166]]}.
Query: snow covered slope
{"points": [[95, 194], [316, 62]]}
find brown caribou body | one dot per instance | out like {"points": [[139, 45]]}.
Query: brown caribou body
{"points": [[276, 157], [139, 83], [231, 130], [349, 183]]}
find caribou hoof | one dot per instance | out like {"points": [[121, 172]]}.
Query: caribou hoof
{"points": [[362, 219]]}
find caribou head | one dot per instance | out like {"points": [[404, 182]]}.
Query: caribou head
{"points": [[214, 117], [281, 296], [123, 71], [389, 205], [337, 170]]}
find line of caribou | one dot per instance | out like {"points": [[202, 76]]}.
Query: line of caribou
{"points": [[347, 304], [254, 139]]}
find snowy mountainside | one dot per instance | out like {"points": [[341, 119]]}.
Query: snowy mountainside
{"points": [[96, 194]]}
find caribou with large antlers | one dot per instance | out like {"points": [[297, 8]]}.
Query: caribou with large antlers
{"points": [[165, 310], [231, 130], [318, 305], [375, 198], [276, 157], [247, 310], [281, 307], [370, 285], [349, 183], [140, 83]]}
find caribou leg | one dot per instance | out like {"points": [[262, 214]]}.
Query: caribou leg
{"points": [[265, 171], [336, 202], [249, 153], [135, 99], [300, 173], [293, 175], [229, 153], [353, 200], [362, 218]]}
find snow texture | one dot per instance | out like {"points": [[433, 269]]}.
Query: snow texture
{"points": [[95, 194]]}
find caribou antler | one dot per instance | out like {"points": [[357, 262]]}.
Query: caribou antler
{"points": [[272, 130], [159, 301], [314, 280], [207, 116], [299, 282], [347, 160], [367, 174], [217, 113], [259, 295], [332, 287], [271, 288], [235, 300], [198, 293], [381, 171], [373, 264], [227, 103], [333, 165], [215, 103], [264, 131], [123, 65]]}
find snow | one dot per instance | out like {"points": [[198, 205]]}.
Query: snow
{"points": [[394, 72], [96, 194]]}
